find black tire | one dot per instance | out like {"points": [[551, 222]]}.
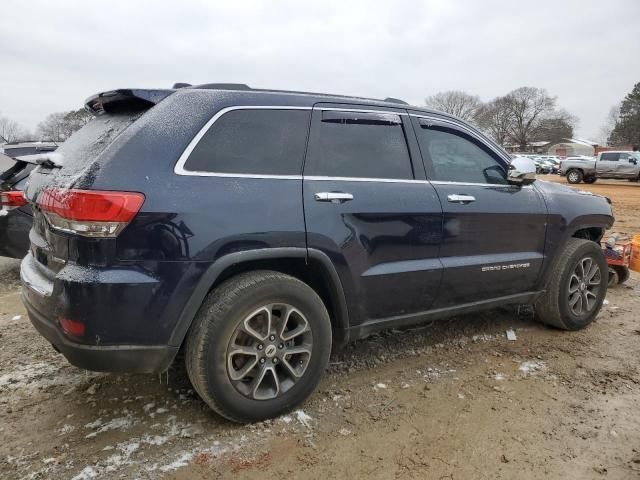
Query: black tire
{"points": [[623, 273], [553, 307], [574, 175], [590, 180], [216, 327]]}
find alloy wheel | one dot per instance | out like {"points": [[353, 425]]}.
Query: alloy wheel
{"points": [[269, 351], [584, 286]]}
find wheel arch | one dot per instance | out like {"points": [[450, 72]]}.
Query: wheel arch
{"points": [[310, 266]]}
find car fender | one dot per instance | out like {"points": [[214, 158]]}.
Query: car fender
{"points": [[211, 275]]}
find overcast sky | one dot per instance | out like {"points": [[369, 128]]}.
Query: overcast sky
{"points": [[586, 52]]}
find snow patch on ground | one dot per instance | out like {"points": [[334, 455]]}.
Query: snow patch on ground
{"points": [[303, 418], [86, 474], [532, 367], [25, 375], [119, 423], [182, 461]]}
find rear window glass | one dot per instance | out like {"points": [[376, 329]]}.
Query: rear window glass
{"points": [[263, 142], [92, 139]]}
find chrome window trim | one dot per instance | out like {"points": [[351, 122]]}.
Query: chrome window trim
{"points": [[472, 184], [179, 169], [362, 179]]}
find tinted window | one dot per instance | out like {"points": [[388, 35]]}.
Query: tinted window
{"points": [[610, 157], [456, 157], [264, 142], [365, 145]]}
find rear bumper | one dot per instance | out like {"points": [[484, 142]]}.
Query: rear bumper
{"points": [[79, 297], [111, 358]]}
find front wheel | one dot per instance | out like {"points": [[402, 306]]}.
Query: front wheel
{"points": [[577, 286], [258, 346], [574, 176]]}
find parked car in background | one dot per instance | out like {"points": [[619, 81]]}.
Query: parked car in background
{"points": [[15, 213], [612, 164], [542, 166]]}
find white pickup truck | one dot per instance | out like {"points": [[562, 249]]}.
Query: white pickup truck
{"points": [[613, 164]]}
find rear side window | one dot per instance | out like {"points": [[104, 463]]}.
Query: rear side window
{"points": [[261, 142], [361, 145], [610, 157]]}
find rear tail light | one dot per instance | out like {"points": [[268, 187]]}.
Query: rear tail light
{"points": [[91, 213], [12, 199]]}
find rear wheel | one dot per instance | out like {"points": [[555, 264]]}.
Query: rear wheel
{"points": [[577, 286], [258, 346], [574, 176]]}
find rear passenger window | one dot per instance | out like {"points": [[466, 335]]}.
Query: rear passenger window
{"points": [[361, 145], [610, 157], [261, 142], [456, 157]]}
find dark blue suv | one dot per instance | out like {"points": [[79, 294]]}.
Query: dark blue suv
{"points": [[256, 229]]}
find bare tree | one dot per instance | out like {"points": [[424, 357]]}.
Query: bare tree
{"points": [[11, 131], [59, 126], [609, 124], [528, 106], [455, 102], [494, 118], [555, 127]]}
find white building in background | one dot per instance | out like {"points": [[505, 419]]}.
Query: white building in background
{"points": [[571, 147]]}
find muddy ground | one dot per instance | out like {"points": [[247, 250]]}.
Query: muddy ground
{"points": [[450, 400]]}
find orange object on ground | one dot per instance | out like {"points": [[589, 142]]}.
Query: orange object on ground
{"points": [[634, 260]]}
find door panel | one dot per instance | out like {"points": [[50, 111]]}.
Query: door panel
{"points": [[383, 234], [493, 246], [384, 242], [493, 232], [625, 168], [607, 165]]}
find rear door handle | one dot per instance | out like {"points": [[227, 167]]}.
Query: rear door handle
{"points": [[462, 199], [334, 197]]}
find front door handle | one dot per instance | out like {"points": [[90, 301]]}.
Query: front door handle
{"points": [[462, 199], [334, 197]]}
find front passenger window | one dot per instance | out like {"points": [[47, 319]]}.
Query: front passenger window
{"points": [[456, 157]]}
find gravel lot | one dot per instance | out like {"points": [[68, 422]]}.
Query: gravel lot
{"points": [[454, 399]]}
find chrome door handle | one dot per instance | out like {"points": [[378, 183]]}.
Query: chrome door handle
{"points": [[334, 197], [462, 199]]}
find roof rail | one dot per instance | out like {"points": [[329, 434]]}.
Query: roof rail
{"points": [[223, 86], [395, 100]]}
